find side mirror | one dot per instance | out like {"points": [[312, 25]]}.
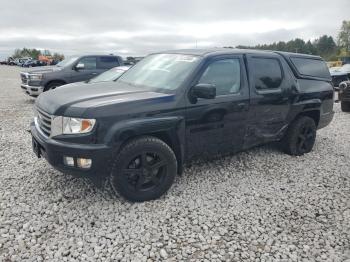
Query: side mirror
{"points": [[79, 66], [205, 91]]}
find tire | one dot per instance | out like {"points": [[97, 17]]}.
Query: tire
{"points": [[345, 106], [53, 85], [137, 181], [300, 137]]}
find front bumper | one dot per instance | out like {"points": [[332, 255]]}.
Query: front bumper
{"points": [[53, 151], [32, 90], [325, 119]]}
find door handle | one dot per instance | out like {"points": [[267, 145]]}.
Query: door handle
{"points": [[242, 106], [94, 73]]}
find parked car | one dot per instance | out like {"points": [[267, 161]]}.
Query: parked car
{"points": [[344, 96], [33, 63], [11, 61], [339, 77], [22, 61], [339, 74], [54, 62], [70, 70], [175, 106]]}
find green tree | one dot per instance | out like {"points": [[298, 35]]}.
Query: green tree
{"points": [[17, 53], [310, 48], [325, 46], [25, 52], [344, 36]]}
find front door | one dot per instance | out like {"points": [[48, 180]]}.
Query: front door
{"points": [[89, 71], [218, 125]]}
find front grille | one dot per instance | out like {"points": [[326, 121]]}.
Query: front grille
{"points": [[44, 121], [24, 78]]}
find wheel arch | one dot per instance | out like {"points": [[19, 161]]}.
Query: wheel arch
{"points": [[311, 108], [315, 114], [62, 82], [169, 129]]}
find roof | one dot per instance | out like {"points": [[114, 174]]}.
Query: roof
{"points": [[223, 51], [92, 54], [209, 51]]}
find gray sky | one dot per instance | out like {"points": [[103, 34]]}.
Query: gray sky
{"points": [[138, 27]]}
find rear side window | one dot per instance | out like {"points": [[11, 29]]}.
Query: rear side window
{"points": [[108, 62], [311, 67], [267, 73]]}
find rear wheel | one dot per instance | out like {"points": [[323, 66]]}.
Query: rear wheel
{"points": [[144, 169], [345, 106], [300, 137]]}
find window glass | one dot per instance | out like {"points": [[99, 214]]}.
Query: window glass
{"points": [[110, 75], [225, 74], [89, 62], [160, 71], [267, 73], [311, 67], [67, 61], [107, 62]]}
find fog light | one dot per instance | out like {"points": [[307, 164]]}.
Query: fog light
{"points": [[68, 160], [84, 162]]}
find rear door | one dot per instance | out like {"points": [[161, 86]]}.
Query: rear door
{"points": [[107, 62], [271, 95]]}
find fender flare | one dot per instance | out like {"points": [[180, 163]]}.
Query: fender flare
{"points": [[172, 126]]}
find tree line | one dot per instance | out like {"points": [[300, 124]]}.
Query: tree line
{"points": [[35, 53], [324, 46]]}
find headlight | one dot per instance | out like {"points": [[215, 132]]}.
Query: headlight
{"points": [[36, 77], [66, 125], [72, 125]]}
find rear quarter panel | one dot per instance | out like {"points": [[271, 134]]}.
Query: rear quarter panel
{"points": [[314, 95]]}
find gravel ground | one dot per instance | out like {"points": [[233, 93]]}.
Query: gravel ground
{"points": [[260, 205]]}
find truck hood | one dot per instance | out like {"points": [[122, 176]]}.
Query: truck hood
{"points": [[75, 100], [44, 69]]}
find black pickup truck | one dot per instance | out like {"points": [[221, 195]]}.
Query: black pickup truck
{"points": [[173, 106]]}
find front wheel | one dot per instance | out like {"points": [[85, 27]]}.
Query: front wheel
{"points": [[345, 106], [144, 169], [53, 85], [300, 137]]}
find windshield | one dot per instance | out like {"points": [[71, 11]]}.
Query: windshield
{"points": [[160, 71], [109, 75], [67, 61]]}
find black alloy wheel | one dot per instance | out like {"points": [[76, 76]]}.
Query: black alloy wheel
{"points": [[145, 172], [300, 136], [306, 139], [144, 169]]}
